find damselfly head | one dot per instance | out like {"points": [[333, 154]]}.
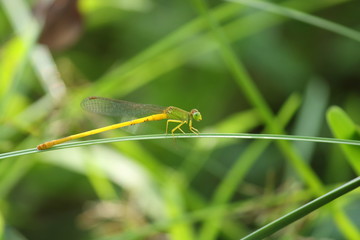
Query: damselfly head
{"points": [[196, 115]]}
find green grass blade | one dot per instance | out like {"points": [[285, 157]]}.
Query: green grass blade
{"points": [[282, 222], [166, 136], [303, 17], [343, 127]]}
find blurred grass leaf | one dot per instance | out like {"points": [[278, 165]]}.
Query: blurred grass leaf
{"points": [[343, 127], [302, 16]]}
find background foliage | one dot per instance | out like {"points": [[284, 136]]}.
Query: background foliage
{"points": [[289, 67]]}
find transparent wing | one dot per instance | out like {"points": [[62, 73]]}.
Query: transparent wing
{"points": [[119, 108]]}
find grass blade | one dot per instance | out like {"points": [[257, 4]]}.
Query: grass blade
{"points": [[202, 135], [303, 17], [280, 223]]}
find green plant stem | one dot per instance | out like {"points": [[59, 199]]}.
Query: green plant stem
{"points": [[291, 217], [303, 17], [201, 135]]}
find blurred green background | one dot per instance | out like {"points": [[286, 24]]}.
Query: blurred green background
{"points": [[247, 70]]}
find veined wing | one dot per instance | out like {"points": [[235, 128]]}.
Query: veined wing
{"points": [[119, 108]]}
